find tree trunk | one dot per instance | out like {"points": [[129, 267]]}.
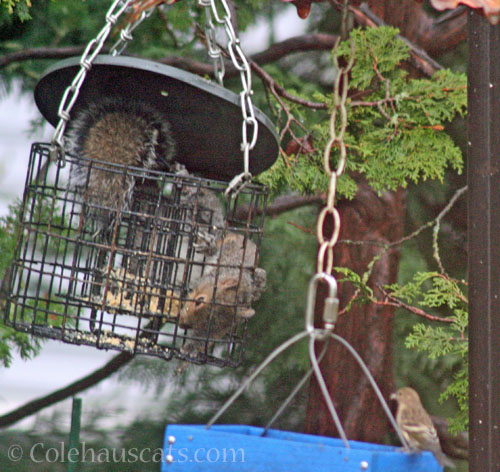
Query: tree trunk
{"points": [[418, 26], [367, 327]]}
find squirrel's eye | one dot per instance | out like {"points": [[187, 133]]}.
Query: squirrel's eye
{"points": [[199, 301]]}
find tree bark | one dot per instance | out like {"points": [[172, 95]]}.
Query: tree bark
{"points": [[367, 327], [419, 27]]}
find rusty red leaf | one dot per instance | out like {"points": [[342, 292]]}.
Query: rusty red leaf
{"points": [[303, 7], [491, 8], [300, 146]]}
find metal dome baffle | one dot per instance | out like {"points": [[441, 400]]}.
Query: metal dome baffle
{"points": [[172, 274]]}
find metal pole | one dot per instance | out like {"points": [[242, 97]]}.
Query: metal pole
{"points": [[74, 434], [484, 243]]}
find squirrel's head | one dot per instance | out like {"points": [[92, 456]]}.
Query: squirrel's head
{"points": [[199, 300]]}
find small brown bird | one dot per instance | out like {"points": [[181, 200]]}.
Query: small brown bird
{"points": [[416, 425]]}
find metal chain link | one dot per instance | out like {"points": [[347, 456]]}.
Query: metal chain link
{"points": [[93, 48], [240, 62], [337, 132], [126, 33], [214, 51]]}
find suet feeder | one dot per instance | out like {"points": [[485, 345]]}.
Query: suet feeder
{"points": [[121, 278]]}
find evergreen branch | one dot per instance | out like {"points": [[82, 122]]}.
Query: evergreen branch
{"points": [[302, 43], [70, 390], [418, 57], [387, 98], [390, 300], [283, 204], [438, 34], [457, 293], [376, 103], [40, 53]]}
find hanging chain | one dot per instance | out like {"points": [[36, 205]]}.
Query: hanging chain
{"points": [[214, 51], [93, 48], [126, 33], [338, 126], [240, 62]]}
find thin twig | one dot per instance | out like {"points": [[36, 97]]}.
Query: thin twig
{"points": [[166, 27], [433, 222], [283, 204], [278, 89], [350, 302], [435, 231], [391, 300], [302, 228]]}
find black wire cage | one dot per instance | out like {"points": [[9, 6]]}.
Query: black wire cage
{"points": [[172, 275]]}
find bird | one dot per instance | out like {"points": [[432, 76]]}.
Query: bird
{"points": [[416, 425]]}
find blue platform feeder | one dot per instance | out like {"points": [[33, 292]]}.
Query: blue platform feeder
{"points": [[243, 449]]}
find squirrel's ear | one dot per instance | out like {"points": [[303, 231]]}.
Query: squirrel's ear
{"points": [[228, 284]]}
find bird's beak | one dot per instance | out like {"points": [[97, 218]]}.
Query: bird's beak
{"points": [[393, 396]]}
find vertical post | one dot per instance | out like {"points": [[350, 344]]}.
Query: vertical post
{"points": [[484, 243], [74, 434]]}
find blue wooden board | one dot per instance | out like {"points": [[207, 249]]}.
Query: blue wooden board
{"points": [[241, 448]]}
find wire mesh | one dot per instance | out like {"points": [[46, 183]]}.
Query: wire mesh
{"points": [[173, 273]]}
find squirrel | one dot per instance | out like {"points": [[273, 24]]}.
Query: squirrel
{"points": [[105, 138], [115, 131], [224, 294]]}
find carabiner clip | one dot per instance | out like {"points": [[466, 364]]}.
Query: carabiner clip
{"points": [[331, 308]]}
